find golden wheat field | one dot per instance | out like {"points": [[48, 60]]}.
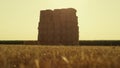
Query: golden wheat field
{"points": [[38, 56]]}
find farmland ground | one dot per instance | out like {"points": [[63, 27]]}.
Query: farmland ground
{"points": [[38, 56]]}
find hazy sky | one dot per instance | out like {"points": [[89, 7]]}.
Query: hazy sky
{"points": [[98, 19]]}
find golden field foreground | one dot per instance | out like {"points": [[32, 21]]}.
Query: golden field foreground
{"points": [[34, 56]]}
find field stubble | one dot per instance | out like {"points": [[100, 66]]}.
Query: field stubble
{"points": [[38, 56]]}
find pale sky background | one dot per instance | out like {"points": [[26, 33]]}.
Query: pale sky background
{"points": [[98, 19]]}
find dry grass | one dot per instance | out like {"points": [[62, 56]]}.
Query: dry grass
{"points": [[24, 56]]}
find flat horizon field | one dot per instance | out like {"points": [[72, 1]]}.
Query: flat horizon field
{"points": [[39, 56]]}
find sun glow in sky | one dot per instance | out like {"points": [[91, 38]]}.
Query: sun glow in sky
{"points": [[98, 19]]}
